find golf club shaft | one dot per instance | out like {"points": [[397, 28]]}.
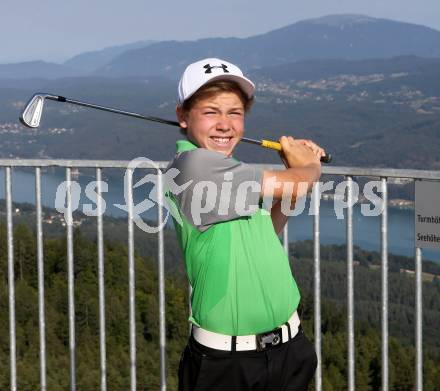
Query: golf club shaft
{"points": [[58, 98], [264, 143]]}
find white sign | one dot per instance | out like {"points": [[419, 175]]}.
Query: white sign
{"points": [[427, 214]]}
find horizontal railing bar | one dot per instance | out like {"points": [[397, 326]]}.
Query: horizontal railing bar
{"points": [[381, 172], [329, 170], [77, 163], [366, 171]]}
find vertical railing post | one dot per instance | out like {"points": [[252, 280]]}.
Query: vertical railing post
{"points": [[161, 278], [384, 252], [317, 283], [71, 281], [350, 294], [11, 280], [419, 314], [40, 266], [101, 283], [131, 279]]}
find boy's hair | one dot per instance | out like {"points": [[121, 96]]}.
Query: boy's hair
{"points": [[213, 88]]}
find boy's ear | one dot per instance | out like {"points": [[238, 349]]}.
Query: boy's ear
{"points": [[181, 117]]}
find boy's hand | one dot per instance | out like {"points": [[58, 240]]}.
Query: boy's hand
{"points": [[299, 153]]}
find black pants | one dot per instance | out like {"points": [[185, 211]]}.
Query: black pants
{"points": [[286, 367]]}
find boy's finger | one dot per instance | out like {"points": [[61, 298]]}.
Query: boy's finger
{"points": [[284, 141]]}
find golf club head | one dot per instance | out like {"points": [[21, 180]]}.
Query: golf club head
{"points": [[31, 114]]}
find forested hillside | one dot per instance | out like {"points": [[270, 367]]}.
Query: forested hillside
{"points": [[367, 298]]}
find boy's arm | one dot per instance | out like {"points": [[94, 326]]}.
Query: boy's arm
{"points": [[219, 188], [279, 219], [303, 169]]}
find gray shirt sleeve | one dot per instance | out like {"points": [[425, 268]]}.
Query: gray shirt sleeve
{"points": [[213, 188]]}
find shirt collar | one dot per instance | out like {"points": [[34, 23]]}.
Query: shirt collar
{"points": [[185, 145]]}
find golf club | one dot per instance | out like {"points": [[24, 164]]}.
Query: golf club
{"points": [[31, 117]]}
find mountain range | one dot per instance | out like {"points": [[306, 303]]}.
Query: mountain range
{"points": [[334, 36], [90, 61], [340, 36]]}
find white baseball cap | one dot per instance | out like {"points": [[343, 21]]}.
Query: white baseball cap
{"points": [[201, 72]]}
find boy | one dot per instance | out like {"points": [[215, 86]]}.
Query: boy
{"points": [[246, 334]]}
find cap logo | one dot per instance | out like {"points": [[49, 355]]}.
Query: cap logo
{"points": [[209, 68]]}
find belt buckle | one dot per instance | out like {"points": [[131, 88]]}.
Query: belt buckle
{"points": [[271, 338]]}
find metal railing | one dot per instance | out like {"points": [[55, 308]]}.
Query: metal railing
{"points": [[98, 165]]}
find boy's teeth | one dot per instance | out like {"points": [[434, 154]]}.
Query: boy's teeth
{"points": [[221, 140]]}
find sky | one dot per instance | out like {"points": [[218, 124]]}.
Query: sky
{"points": [[54, 30]]}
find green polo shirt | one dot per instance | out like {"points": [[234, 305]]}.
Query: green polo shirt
{"points": [[239, 272]]}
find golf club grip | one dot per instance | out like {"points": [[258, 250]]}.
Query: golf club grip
{"points": [[277, 146]]}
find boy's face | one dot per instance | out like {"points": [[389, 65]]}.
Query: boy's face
{"points": [[215, 123]]}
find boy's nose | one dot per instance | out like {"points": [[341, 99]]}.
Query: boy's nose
{"points": [[223, 123]]}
